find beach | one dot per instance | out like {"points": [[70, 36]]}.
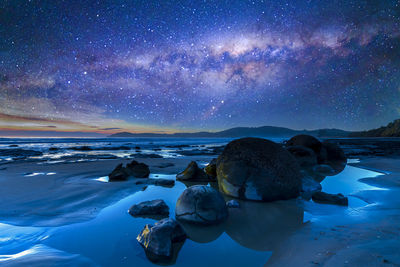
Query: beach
{"points": [[67, 213]]}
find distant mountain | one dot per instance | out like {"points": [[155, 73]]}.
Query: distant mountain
{"points": [[264, 131], [390, 130]]}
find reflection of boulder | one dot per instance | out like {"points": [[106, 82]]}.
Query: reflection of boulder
{"points": [[162, 241], [262, 226], [258, 169], [201, 204], [203, 233]]}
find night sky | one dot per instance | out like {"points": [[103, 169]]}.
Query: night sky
{"points": [[166, 66]]}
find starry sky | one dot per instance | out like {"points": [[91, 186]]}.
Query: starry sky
{"points": [[172, 66]]}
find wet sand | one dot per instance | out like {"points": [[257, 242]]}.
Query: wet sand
{"points": [[61, 214]]}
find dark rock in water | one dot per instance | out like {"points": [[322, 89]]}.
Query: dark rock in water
{"points": [[53, 148], [118, 174], [18, 152], [165, 165], [150, 209], [193, 173], [156, 149], [196, 152], [305, 156], [160, 241], [305, 141], [258, 169], [202, 233], [309, 187], [324, 170], [233, 204], [81, 148], [13, 145], [335, 156], [211, 168], [150, 156], [325, 198], [163, 182], [137, 147], [201, 204], [138, 170]]}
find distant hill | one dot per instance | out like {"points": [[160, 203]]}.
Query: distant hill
{"points": [[390, 130], [264, 131]]}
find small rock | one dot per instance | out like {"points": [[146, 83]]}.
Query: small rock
{"points": [[118, 174], [233, 204], [150, 209], [325, 198], [201, 204], [158, 240], [193, 173], [211, 168], [163, 182], [138, 170]]}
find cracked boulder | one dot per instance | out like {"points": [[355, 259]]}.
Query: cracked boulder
{"points": [[200, 204], [162, 241], [258, 169], [193, 173]]}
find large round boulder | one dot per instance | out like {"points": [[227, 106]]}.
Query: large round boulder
{"points": [[335, 156], [305, 141], [201, 204], [258, 169], [305, 156]]}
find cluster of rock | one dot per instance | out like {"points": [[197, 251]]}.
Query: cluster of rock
{"points": [[133, 169], [247, 169]]}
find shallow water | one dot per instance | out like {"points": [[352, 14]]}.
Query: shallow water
{"points": [[248, 238]]}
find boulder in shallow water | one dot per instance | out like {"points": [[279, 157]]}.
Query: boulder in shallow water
{"points": [[201, 204], [305, 156], [138, 170], [193, 173], [211, 168], [150, 209], [335, 156], [325, 198], [305, 140], [258, 169], [159, 240]]}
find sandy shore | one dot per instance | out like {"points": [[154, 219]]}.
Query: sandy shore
{"points": [[372, 239], [66, 193]]}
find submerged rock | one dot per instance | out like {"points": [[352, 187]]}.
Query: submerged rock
{"points": [[325, 198], [150, 209], [258, 169], [201, 204], [193, 173], [233, 204], [211, 168], [159, 241]]}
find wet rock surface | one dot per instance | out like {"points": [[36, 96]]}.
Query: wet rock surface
{"points": [[150, 209], [325, 198], [211, 168], [134, 169], [162, 241], [258, 169], [201, 204], [193, 173]]}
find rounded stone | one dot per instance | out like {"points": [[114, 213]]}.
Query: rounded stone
{"points": [[201, 204], [258, 169]]}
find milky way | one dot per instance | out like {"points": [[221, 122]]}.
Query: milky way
{"points": [[166, 66]]}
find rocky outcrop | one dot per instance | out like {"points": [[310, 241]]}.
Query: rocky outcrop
{"points": [[201, 204], [325, 198], [150, 209], [159, 240], [258, 169], [193, 173]]}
